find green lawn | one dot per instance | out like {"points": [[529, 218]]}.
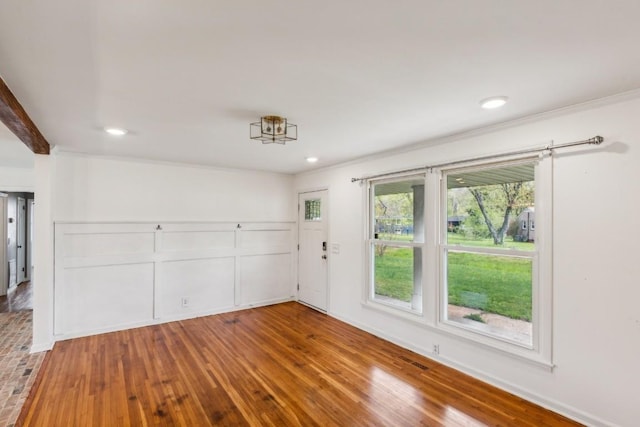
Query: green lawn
{"points": [[455, 239], [459, 239], [494, 284], [394, 273]]}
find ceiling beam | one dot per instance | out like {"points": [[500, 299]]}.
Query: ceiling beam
{"points": [[17, 121]]}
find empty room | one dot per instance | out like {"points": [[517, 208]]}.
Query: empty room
{"points": [[338, 213]]}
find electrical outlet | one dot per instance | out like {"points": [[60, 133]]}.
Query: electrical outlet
{"points": [[436, 349], [185, 302]]}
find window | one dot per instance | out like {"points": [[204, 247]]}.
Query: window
{"points": [[489, 259], [459, 248], [396, 241], [312, 210]]}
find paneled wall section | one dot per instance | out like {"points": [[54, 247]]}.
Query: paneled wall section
{"points": [[111, 276]]}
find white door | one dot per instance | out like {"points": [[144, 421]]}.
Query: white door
{"points": [[313, 252], [21, 241]]}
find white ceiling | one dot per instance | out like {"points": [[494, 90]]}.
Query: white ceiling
{"points": [[358, 77]]}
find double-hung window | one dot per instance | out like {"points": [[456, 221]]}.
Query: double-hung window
{"points": [[396, 240], [482, 271]]}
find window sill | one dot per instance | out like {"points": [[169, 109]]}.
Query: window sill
{"points": [[395, 311], [495, 345]]}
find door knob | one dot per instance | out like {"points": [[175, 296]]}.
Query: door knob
{"points": [[324, 257]]}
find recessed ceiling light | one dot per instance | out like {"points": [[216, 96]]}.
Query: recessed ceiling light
{"points": [[312, 159], [493, 102], [116, 131]]}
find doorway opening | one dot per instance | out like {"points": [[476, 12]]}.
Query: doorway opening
{"points": [[16, 255]]}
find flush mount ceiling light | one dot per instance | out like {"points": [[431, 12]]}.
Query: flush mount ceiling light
{"points": [[116, 131], [311, 159], [273, 130], [493, 102]]}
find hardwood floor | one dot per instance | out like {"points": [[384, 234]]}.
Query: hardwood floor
{"points": [[18, 300], [282, 365]]}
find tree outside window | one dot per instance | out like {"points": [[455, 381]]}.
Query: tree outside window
{"points": [[489, 265]]}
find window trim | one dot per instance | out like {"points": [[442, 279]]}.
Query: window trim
{"points": [[540, 349], [371, 241], [432, 261]]}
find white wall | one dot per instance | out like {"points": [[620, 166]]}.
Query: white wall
{"points": [[81, 188], [100, 189], [43, 254], [17, 179], [596, 325]]}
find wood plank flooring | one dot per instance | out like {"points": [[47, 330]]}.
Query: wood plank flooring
{"points": [[282, 365]]}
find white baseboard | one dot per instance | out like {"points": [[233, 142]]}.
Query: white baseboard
{"points": [[151, 322], [41, 346], [551, 404]]}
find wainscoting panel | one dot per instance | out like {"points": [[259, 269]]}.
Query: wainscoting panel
{"points": [[97, 298], [113, 276], [195, 286], [173, 241], [105, 244], [264, 278], [264, 238]]}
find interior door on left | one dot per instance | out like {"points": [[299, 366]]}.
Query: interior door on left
{"points": [[21, 239]]}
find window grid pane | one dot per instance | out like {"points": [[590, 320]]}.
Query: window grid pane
{"points": [[312, 210], [491, 294], [398, 275], [398, 210]]}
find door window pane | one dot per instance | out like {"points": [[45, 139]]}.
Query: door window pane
{"points": [[312, 210]]}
